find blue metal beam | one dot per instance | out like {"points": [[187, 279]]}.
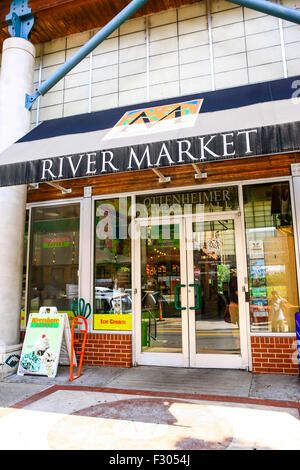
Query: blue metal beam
{"points": [[20, 19], [271, 8], [264, 6], [124, 15]]}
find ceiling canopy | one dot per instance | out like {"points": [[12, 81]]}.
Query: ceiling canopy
{"points": [[59, 18]]}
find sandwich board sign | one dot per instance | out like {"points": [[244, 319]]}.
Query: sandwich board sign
{"points": [[47, 343]]}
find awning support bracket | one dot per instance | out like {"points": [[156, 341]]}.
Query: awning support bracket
{"points": [[162, 178], [20, 19], [78, 56], [198, 173], [59, 187], [33, 186]]}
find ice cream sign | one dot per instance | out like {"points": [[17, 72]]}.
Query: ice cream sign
{"points": [[114, 321], [42, 344]]}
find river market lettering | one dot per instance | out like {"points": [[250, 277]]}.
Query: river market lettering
{"points": [[157, 154]]}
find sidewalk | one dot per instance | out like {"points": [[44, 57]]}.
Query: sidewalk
{"points": [[151, 408]]}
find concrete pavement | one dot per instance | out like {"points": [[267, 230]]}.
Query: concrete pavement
{"points": [[150, 408]]}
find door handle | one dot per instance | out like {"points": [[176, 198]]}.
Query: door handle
{"points": [[247, 293], [176, 297], [198, 296]]}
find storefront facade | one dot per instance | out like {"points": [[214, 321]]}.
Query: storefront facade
{"points": [[176, 219], [205, 324], [187, 254]]}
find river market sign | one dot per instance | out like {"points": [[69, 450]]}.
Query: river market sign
{"points": [[155, 155], [197, 149]]}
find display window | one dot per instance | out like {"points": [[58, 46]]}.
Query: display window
{"points": [[112, 268], [273, 287], [54, 257], [24, 277]]}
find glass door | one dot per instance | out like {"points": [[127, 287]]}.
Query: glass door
{"points": [[190, 300], [160, 276], [216, 292]]}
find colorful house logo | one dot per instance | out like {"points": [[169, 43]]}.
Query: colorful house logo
{"points": [[157, 119]]}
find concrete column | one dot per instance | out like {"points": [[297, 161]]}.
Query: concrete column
{"points": [[15, 81], [85, 249]]}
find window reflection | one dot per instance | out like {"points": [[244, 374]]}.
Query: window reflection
{"points": [[112, 283], [54, 257], [215, 272], [23, 320], [161, 322], [271, 257]]}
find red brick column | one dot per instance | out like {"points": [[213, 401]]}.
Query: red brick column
{"points": [[274, 355], [110, 350]]}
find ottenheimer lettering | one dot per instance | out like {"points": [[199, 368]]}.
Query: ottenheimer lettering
{"points": [[226, 145]]}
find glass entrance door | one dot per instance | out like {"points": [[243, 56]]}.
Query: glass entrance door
{"points": [[190, 301], [160, 276], [216, 296]]}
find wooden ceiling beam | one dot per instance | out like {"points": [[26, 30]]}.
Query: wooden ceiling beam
{"points": [[59, 18]]}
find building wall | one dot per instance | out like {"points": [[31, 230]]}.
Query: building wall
{"points": [[274, 355], [108, 350], [269, 352], [195, 48]]}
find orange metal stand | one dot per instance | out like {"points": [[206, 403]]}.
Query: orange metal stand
{"points": [[160, 311], [77, 321]]}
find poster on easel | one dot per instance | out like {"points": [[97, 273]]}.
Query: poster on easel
{"points": [[46, 332]]}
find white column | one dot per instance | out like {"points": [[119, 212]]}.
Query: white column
{"points": [[86, 249], [16, 80]]}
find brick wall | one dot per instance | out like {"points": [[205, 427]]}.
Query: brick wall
{"points": [[274, 354], [109, 350], [270, 354]]}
